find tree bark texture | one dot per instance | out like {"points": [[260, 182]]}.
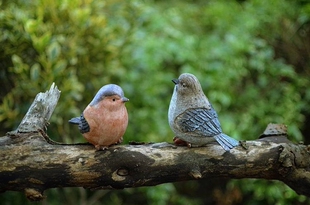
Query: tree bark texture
{"points": [[32, 163]]}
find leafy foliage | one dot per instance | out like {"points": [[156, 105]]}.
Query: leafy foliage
{"points": [[250, 56]]}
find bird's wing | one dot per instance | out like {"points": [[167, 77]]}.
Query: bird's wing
{"points": [[200, 121], [83, 125], [81, 122]]}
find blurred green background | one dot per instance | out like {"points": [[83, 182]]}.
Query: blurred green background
{"points": [[251, 57]]}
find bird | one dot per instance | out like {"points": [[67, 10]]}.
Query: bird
{"points": [[104, 121], [192, 117]]}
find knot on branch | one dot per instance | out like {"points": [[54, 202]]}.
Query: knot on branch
{"points": [[195, 173], [285, 158], [33, 194], [274, 130], [120, 174]]}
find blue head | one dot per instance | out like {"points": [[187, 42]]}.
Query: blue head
{"points": [[108, 90]]}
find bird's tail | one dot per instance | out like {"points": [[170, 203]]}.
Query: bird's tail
{"points": [[75, 120], [226, 142]]}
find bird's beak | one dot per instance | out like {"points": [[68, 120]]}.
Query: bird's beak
{"points": [[175, 81], [124, 99]]}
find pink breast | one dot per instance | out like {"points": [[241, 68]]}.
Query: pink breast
{"points": [[106, 127]]}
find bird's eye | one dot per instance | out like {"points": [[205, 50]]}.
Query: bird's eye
{"points": [[184, 85], [114, 99]]}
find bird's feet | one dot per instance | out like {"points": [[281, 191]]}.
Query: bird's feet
{"points": [[119, 141], [101, 147], [177, 141]]}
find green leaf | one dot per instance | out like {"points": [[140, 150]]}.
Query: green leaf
{"points": [[35, 71], [19, 67], [53, 51], [60, 67], [31, 26], [40, 43]]}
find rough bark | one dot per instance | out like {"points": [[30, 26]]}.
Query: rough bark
{"points": [[32, 163]]}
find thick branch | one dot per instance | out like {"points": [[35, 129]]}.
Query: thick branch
{"points": [[37, 165], [31, 163]]}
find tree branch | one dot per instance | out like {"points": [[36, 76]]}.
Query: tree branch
{"points": [[32, 164]]}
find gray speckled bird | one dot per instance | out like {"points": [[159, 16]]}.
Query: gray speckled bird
{"points": [[192, 117]]}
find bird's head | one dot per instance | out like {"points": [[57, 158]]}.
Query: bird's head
{"points": [[111, 94], [187, 84]]}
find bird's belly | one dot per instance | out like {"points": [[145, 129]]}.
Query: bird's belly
{"points": [[106, 130]]}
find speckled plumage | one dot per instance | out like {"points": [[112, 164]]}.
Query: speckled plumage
{"points": [[192, 117], [104, 121]]}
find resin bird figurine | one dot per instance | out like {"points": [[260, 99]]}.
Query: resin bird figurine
{"points": [[192, 117], [104, 121]]}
